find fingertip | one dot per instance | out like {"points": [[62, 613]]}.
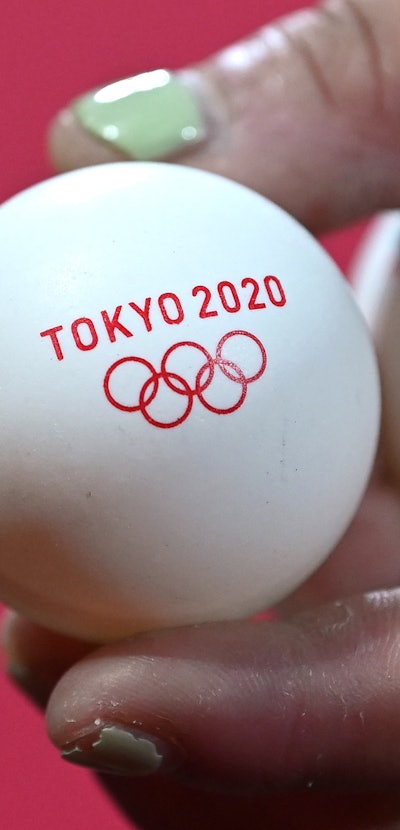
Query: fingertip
{"points": [[250, 705], [301, 112]]}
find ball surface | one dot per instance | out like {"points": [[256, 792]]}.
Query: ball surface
{"points": [[189, 401]]}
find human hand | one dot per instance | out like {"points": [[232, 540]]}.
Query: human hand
{"points": [[308, 114]]}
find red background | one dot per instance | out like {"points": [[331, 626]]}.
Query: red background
{"points": [[51, 51]]}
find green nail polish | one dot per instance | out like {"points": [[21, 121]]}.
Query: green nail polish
{"points": [[117, 751], [148, 116]]}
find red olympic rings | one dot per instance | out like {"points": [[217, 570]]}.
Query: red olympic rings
{"points": [[176, 383]]}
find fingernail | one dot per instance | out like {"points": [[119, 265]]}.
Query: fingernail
{"points": [[153, 115], [117, 750]]}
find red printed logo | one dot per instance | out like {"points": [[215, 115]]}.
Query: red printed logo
{"points": [[132, 384]]}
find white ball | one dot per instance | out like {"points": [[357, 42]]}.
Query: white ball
{"points": [[189, 401]]}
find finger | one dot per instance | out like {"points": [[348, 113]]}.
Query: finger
{"points": [[159, 802], [307, 111], [248, 706], [154, 803], [366, 559], [377, 282], [36, 657]]}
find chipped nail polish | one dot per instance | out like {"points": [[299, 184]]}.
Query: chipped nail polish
{"points": [[117, 750]]}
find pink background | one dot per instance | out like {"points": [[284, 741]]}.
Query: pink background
{"points": [[51, 51]]}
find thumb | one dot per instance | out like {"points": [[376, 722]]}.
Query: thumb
{"points": [[246, 706], [306, 111]]}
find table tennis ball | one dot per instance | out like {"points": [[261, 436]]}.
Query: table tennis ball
{"points": [[189, 401]]}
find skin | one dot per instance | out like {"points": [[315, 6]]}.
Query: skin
{"points": [[292, 723]]}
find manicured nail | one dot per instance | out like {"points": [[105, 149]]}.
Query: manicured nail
{"points": [[116, 750], [149, 116]]}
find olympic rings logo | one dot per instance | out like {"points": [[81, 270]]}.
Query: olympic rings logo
{"points": [[200, 387]]}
